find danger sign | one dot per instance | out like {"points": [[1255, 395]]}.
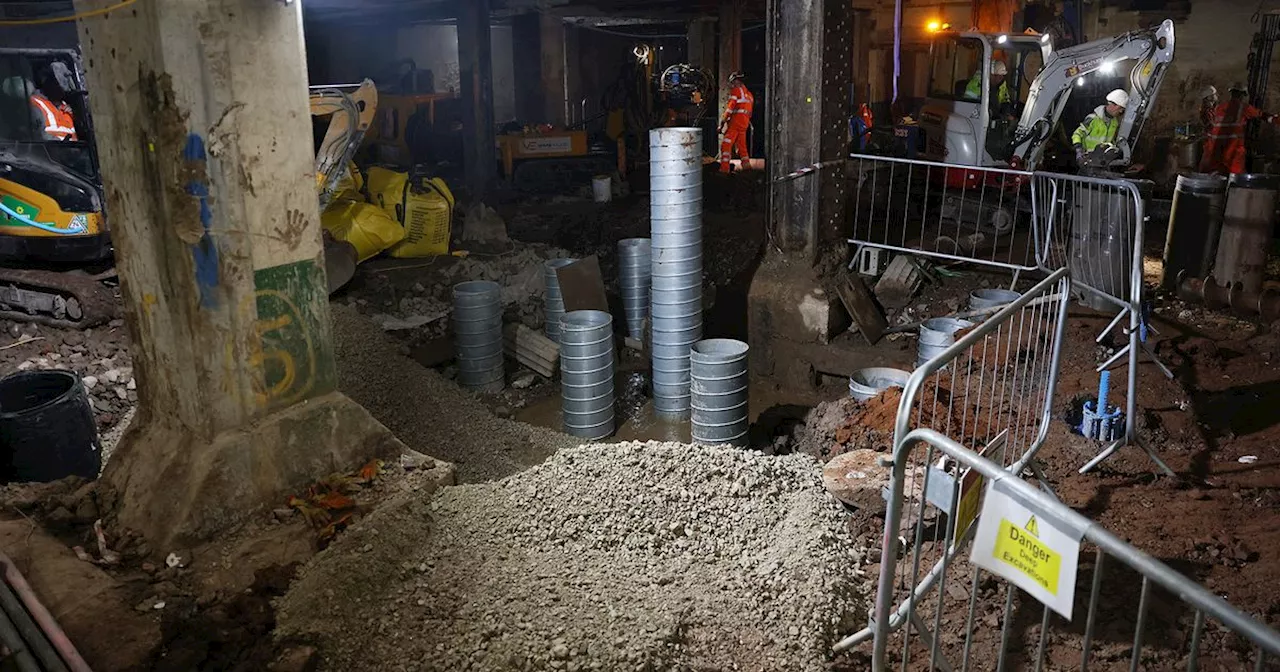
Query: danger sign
{"points": [[1029, 548]]}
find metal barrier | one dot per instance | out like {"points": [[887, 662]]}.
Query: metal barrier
{"points": [[998, 378], [993, 387], [929, 602], [945, 211], [1094, 227]]}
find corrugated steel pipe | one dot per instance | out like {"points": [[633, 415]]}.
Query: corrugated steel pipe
{"points": [[635, 269], [586, 373], [554, 305], [719, 372], [675, 309], [477, 329]]}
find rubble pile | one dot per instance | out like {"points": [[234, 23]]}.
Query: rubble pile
{"points": [[606, 557], [426, 304]]}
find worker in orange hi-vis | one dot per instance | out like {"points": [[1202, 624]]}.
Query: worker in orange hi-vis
{"points": [[736, 122], [1224, 150]]}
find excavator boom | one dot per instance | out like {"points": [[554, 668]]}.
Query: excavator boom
{"points": [[1066, 68]]}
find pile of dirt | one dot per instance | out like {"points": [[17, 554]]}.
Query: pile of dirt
{"points": [[606, 557], [837, 427], [429, 413]]}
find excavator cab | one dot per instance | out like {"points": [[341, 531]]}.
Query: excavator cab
{"points": [[969, 117]]}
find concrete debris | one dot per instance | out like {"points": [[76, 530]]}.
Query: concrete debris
{"points": [[392, 323], [524, 381], [579, 564], [482, 224]]}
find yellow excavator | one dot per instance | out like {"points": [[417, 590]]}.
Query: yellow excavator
{"points": [[55, 246], [51, 203]]}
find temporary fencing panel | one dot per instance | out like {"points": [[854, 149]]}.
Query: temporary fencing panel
{"points": [[958, 616], [960, 213], [1094, 227], [993, 387]]}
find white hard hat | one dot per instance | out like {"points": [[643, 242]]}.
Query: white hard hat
{"points": [[1119, 97], [1209, 92], [998, 68]]}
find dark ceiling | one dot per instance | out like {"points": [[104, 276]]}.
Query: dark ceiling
{"points": [[441, 10]]}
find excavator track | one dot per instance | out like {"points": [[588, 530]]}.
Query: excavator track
{"points": [[67, 300]]}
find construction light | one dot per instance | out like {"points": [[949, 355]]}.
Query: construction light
{"points": [[934, 26]]}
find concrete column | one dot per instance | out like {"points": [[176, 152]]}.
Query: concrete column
{"points": [[790, 309], [205, 143], [475, 69], [702, 44], [730, 47], [526, 37], [573, 85], [553, 69]]}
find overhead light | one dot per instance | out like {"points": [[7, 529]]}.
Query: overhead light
{"points": [[934, 26], [1002, 39]]}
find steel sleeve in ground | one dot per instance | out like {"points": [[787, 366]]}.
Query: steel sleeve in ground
{"points": [[719, 389], [477, 327], [586, 371]]}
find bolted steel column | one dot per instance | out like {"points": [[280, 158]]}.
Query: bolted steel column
{"points": [[475, 71], [810, 55]]}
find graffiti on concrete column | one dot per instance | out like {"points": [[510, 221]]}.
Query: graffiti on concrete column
{"points": [[292, 346]]}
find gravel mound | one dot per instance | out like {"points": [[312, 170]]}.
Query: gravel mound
{"points": [[607, 557], [427, 412]]}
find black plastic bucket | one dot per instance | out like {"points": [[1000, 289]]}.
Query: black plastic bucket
{"points": [[47, 430]]}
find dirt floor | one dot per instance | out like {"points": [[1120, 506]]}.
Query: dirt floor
{"points": [[1215, 425]]}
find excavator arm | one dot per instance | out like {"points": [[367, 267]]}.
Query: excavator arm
{"points": [[1152, 48], [351, 115]]}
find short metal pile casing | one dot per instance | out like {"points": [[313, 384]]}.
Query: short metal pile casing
{"points": [[675, 309], [635, 259], [554, 304], [586, 373], [477, 329], [719, 388]]}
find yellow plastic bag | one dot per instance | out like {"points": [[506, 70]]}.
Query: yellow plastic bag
{"points": [[364, 225], [386, 189], [427, 219]]}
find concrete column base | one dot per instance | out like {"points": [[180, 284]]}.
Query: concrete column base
{"points": [[177, 489], [791, 317]]}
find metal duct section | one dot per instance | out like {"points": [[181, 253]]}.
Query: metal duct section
{"points": [[553, 309], [675, 309], [586, 373], [635, 259], [477, 329], [719, 373]]}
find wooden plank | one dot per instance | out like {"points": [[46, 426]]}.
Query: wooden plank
{"points": [[862, 306]]}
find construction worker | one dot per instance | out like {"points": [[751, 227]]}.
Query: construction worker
{"points": [[1208, 103], [48, 103], [1224, 150], [1100, 126], [999, 72], [736, 122]]}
